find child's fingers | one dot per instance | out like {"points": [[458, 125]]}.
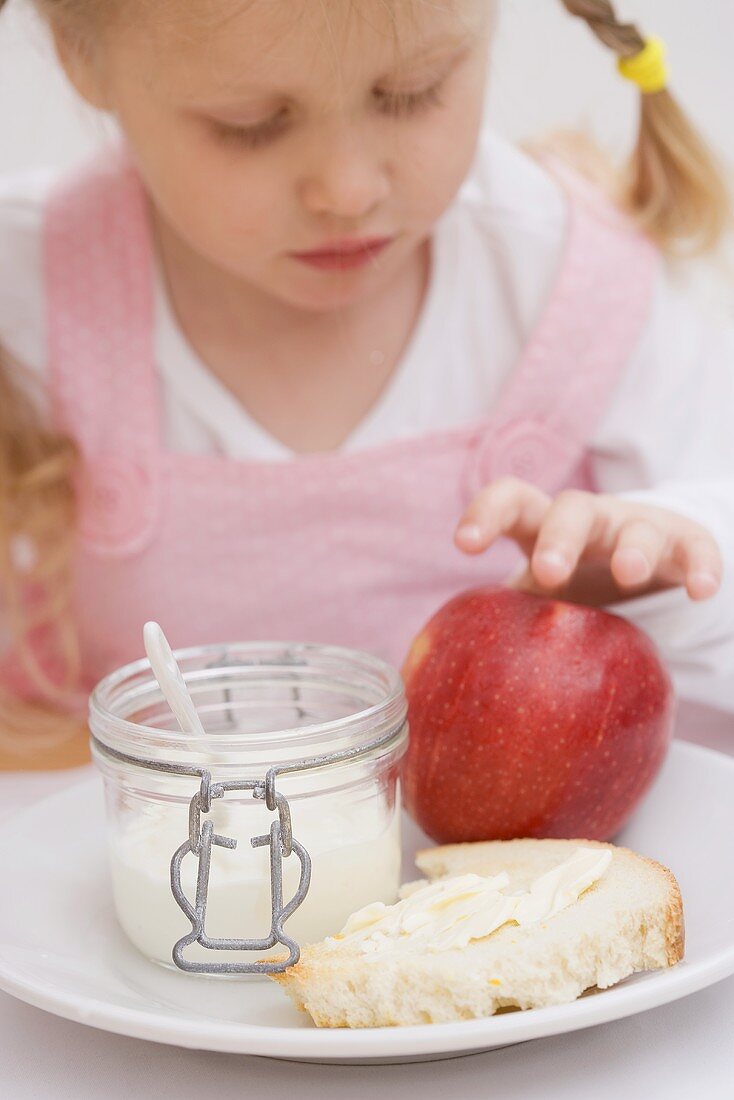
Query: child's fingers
{"points": [[580, 530], [639, 550], [699, 556], [563, 536], [507, 506]]}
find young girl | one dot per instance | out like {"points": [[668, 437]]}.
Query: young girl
{"points": [[311, 351]]}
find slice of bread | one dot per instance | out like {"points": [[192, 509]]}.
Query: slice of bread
{"points": [[631, 919]]}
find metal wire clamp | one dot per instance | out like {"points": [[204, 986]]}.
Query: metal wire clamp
{"points": [[280, 840]]}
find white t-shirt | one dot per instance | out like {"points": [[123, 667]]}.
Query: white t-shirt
{"points": [[666, 437]]}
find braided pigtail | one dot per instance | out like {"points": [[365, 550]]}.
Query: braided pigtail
{"points": [[672, 185]]}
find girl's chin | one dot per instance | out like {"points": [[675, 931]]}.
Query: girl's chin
{"points": [[322, 291]]}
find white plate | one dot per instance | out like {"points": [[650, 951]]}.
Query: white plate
{"points": [[61, 949]]}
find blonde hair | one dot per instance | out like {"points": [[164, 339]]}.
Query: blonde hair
{"points": [[672, 187], [37, 467]]}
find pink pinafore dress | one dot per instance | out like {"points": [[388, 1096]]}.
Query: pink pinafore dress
{"points": [[352, 548]]}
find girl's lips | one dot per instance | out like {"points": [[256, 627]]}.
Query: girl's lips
{"points": [[346, 254]]}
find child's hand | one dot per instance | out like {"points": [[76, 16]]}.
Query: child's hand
{"points": [[592, 548]]}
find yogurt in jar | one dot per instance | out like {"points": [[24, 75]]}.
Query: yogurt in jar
{"points": [[355, 855], [331, 720]]}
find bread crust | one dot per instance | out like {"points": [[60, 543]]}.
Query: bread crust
{"points": [[338, 989]]}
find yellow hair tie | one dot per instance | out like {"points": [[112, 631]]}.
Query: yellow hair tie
{"points": [[647, 69]]}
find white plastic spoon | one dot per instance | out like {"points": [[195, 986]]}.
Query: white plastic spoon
{"points": [[170, 680]]}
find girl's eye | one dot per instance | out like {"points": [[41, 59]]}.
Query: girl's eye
{"points": [[396, 104], [252, 136], [404, 104]]}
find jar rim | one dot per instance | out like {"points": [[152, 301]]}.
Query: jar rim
{"points": [[116, 731]]}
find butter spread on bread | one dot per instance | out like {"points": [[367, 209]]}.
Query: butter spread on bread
{"points": [[453, 911]]}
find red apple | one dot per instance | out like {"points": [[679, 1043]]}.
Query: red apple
{"points": [[531, 717]]}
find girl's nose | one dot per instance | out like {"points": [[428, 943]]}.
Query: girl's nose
{"points": [[346, 179]]}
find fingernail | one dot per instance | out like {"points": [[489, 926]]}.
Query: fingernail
{"points": [[636, 561], [469, 532], [554, 558], [705, 583]]}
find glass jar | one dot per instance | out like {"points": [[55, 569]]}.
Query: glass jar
{"points": [[263, 705]]}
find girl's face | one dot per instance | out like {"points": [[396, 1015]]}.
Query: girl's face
{"points": [[268, 128]]}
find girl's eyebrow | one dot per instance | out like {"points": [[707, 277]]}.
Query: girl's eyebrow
{"points": [[451, 45], [447, 43], [452, 51]]}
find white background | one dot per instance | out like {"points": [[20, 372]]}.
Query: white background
{"points": [[547, 71]]}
